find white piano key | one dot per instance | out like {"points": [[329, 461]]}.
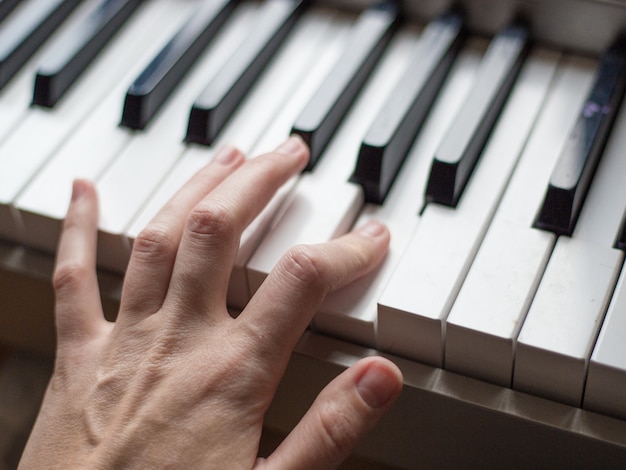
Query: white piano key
{"points": [[41, 133], [16, 96], [481, 331], [324, 204], [351, 312], [90, 149], [566, 314], [492, 303], [268, 95], [134, 175], [280, 129], [445, 243], [555, 342], [606, 379], [278, 85]]}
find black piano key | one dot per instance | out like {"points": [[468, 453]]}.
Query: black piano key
{"points": [[159, 79], [23, 33], [581, 154], [63, 65], [329, 105], [6, 7], [390, 137], [218, 101], [620, 243], [463, 142]]}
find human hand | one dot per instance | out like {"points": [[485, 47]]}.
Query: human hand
{"points": [[176, 382]]}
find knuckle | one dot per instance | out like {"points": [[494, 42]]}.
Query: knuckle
{"points": [[69, 275], [339, 431], [212, 220], [305, 264], [154, 241]]}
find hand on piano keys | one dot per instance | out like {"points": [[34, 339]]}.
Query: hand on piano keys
{"points": [[176, 380], [474, 282]]}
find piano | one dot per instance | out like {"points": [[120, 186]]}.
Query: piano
{"points": [[487, 134]]}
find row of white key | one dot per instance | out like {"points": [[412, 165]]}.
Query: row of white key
{"points": [[264, 113], [484, 322], [568, 309], [324, 204], [91, 138], [420, 293], [351, 312]]}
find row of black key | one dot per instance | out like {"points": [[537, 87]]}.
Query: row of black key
{"points": [[63, 65], [390, 137], [222, 96], [28, 28]]}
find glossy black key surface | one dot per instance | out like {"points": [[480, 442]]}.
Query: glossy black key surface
{"points": [[329, 105], [218, 101], [28, 28], [620, 243], [6, 7], [463, 142], [62, 66], [159, 79], [390, 137], [581, 154]]}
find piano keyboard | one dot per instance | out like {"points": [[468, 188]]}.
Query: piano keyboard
{"points": [[457, 141]]}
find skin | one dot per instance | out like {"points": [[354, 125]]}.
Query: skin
{"points": [[176, 382]]}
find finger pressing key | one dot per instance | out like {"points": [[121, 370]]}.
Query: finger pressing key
{"points": [[211, 237], [285, 303], [155, 248]]}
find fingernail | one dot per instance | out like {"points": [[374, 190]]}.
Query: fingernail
{"points": [[371, 228], [79, 187], [292, 146], [377, 386], [227, 155]]}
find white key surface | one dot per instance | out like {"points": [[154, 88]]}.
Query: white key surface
{"points": [[555, 343], [135, 174], [446, 239], [567, 312], [324, 204], [352, 312], [606, 378], [493, 301], [94, 145]]}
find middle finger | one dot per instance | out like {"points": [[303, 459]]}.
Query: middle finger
{"points": [[154, 250], [211, 238]]}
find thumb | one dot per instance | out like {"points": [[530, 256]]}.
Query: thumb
{"points": [[341, 415]]}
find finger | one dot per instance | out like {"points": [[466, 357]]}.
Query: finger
{"points": [[78, 309], [154, 250], [211, 238], [285, 303], [340, 417]]}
